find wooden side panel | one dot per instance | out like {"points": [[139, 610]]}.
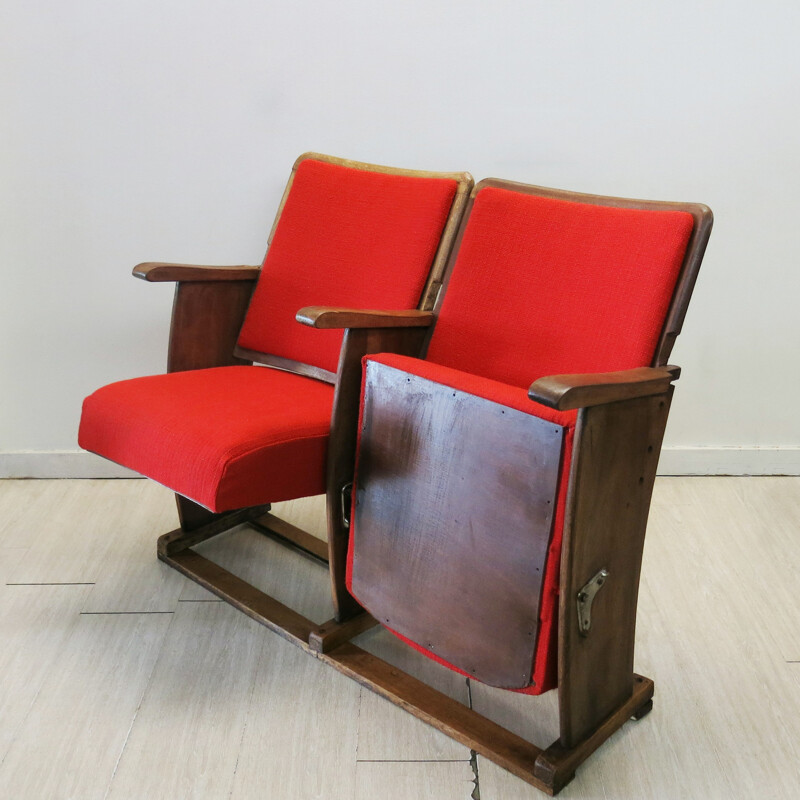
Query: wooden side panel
{"points": [[454, 511], [611, 482], [206, 318], [342, 444]]}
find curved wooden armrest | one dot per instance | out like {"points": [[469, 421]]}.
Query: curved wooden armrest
{"points": [[565, 392], [158, 271], [326, 317]]}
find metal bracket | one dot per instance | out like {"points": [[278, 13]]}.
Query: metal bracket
{"points": [[346, 495], [585, 599]]}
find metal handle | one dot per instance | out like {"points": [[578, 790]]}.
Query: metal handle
{"points": [[346, 497]]}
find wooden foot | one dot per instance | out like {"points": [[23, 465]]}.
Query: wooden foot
{"points": [[332, 633], [556, 766], [643, 711]]}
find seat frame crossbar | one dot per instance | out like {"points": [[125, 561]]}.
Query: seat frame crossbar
{"points": [[547, 769]]}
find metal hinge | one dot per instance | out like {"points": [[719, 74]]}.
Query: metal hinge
{"points": [[585, 599]]}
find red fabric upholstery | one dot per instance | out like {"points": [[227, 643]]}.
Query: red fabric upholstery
{"points": [[544, 671], [346, 237], [227, 437], [543, 287], [547, 287]]}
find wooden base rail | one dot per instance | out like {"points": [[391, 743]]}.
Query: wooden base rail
{"points": [[549, 770]]}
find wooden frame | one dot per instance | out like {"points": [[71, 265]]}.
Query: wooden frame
{"points": [[620, 426]]}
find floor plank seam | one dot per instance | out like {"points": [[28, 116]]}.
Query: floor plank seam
{"points": [[358, 720], [413, 760], [213, 600], [138, 706], [55, 583], [473, 755], [119, 613], [247, 716]]}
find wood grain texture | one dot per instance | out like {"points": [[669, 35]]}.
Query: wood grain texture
{"points": [[74, 734], [186, 737], [533, 717], [307, 513], [164, 271], [333, 633], [9, 558], [713, 623], [268, 360], [263, 608], [385, 731], [566, 392], [414, 781], [342, 443], [763, 530], [453, 519], [285, 532], [557, 764], [296, 581], [128, 577], [26, 509], [611, 480], [327, 317], [35, 621], [436, 709], [71, 542], [200, 525], [300, 736], [206, 319]]}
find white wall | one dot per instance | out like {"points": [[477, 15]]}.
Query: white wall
{"points": [[165, 129]]}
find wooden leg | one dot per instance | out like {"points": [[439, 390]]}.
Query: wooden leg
{"points": [[556, 766], [643, 711], [192, 515], [332, 633], [611, 480], [344, 604]]}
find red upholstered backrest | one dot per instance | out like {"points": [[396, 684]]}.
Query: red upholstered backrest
{"points": [[346, 237], [544, 286]]}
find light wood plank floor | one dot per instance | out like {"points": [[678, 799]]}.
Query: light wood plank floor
{"points": [[120, 679]]}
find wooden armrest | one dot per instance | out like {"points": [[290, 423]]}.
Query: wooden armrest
{"points": [[164, 271], [325, 317], [564, 392]]}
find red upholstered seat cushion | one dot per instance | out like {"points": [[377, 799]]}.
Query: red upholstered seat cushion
{"points": [[547, 287], [544, 669], [227, 437], [346, 237]]}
